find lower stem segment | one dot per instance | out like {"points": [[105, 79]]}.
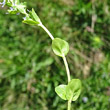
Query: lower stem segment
{"points": [[68, 75], [67, 68]]}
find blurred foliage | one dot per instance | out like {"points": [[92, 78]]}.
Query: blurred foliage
{"points": [[29, 71]]}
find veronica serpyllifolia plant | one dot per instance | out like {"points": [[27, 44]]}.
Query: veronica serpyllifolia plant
{"points": [[72, 89]]}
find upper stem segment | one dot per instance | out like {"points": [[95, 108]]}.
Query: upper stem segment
{"points": [[64, 58], [50, 35]]}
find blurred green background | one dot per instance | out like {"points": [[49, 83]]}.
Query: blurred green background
{"points": [[29, 70]]}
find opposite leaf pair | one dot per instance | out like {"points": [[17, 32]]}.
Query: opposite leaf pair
{"points": [[70, 91]]}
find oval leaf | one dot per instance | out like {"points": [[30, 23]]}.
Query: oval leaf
{"points": [[60, 47], [73, 89], [61, 91]]}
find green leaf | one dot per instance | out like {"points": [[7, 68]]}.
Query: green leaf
{"points": [[22, 8], [31, 22], [9, 4], [34, 15], [70, 91], [12, 11], [11, 1], [61, 91], [60, 47], [73, 89], [17, 2]]}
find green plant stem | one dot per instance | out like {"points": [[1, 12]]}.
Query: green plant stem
{"points": [[64, 59], [50, 35], [67, 68]]}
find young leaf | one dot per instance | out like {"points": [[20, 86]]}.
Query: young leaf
{"points": [[60, 47], [17, 2], [21, 8], [73, 89], [12, 1], [61, 91], [31, 22], [12, 11], [34, 15], [9, 4]]}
